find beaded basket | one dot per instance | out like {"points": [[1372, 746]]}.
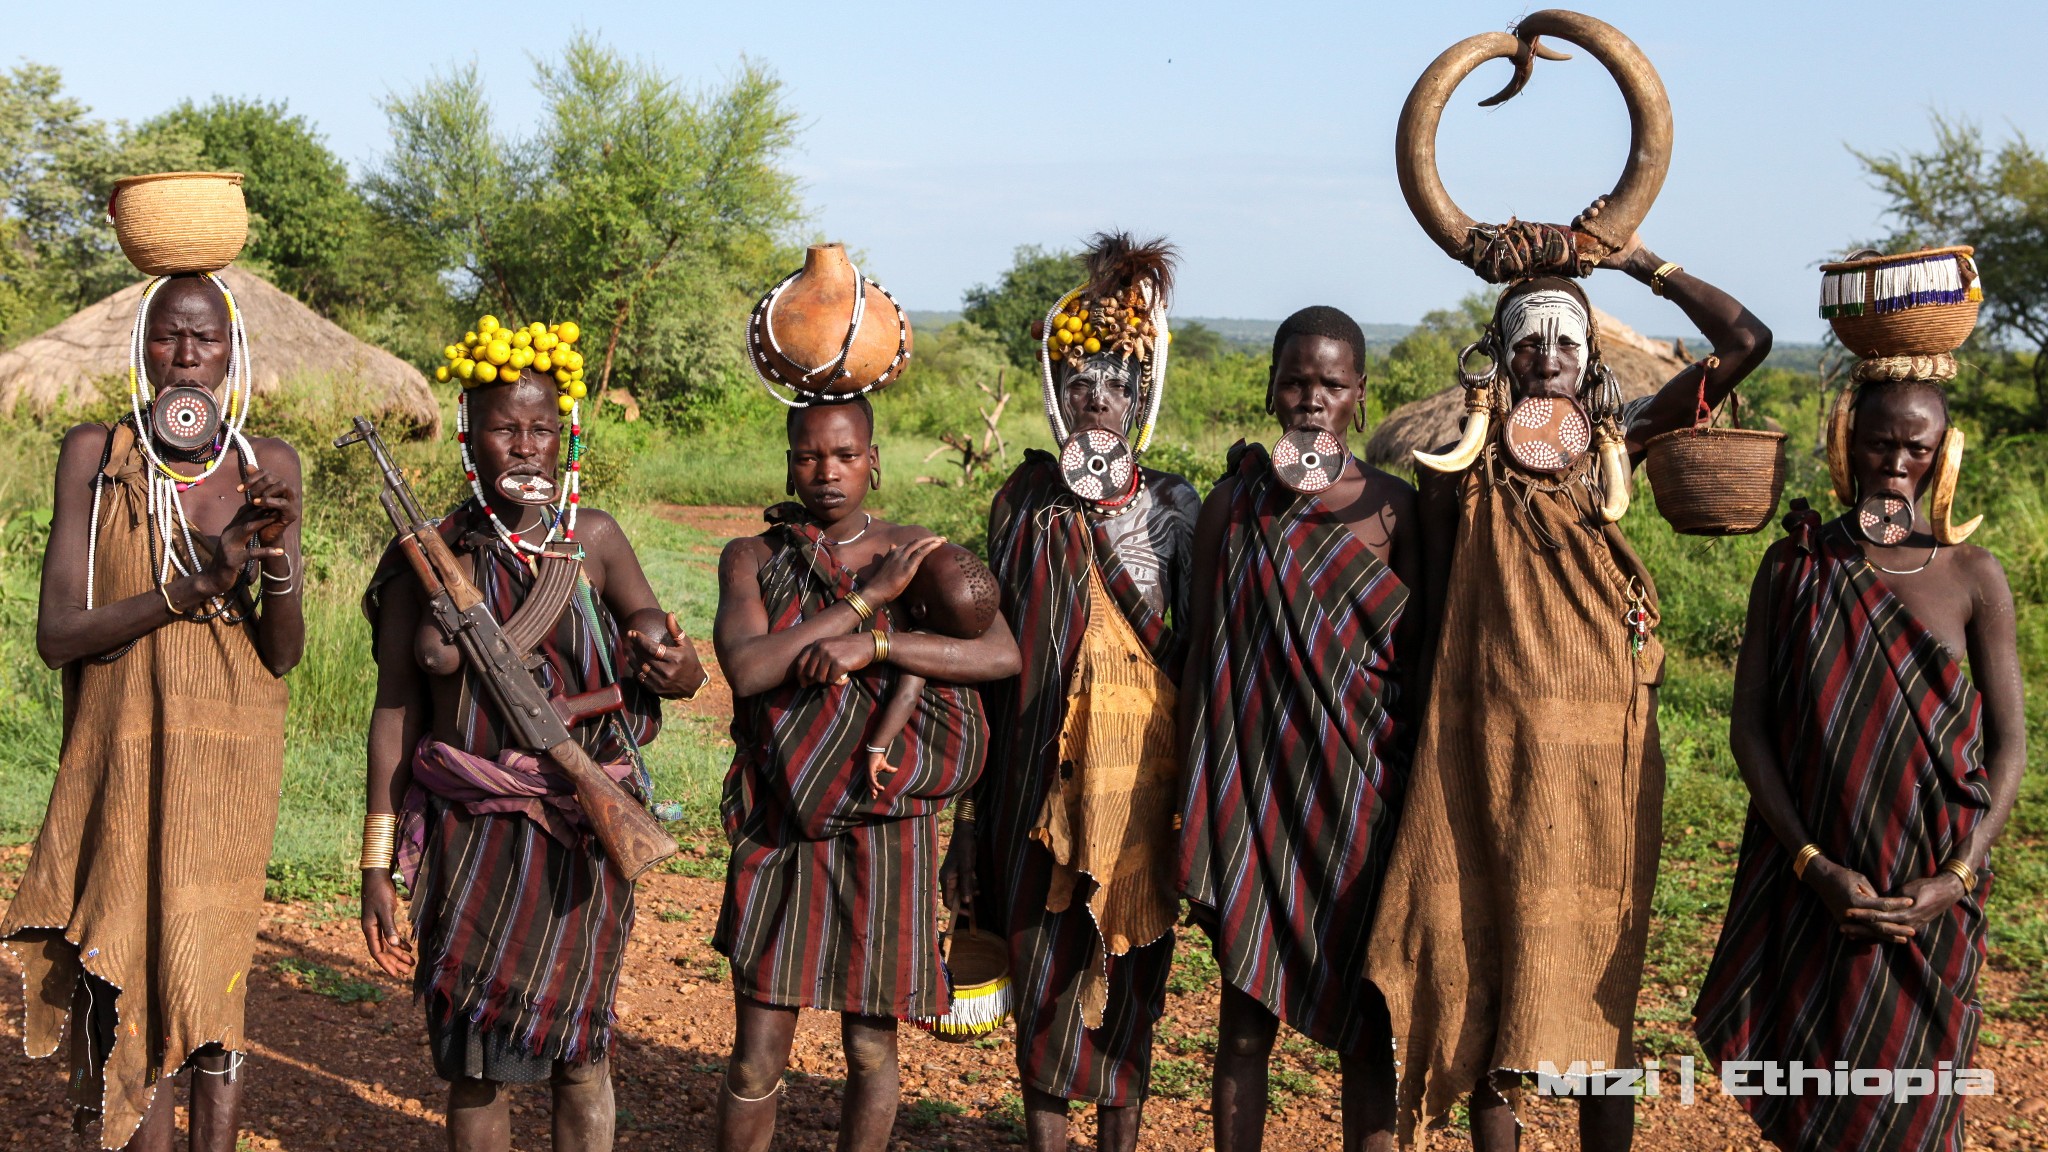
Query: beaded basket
{"points": [[1913, 304], [978, 968], [173, 222]]}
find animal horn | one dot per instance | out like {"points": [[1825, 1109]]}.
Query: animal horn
{"points": [[1838, 446], [1478, 419], [1415, 138], [1649, 117], [1525, 66], [1614, 475], [1942, 508]]}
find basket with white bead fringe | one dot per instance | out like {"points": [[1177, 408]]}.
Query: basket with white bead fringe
{"points": [[1912, 304], [978, 971]]}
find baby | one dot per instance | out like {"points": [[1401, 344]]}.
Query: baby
{"points": [[953, 594]]}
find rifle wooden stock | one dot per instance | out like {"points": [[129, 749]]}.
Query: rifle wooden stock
{"points": [[632, 838], [449, 569]]}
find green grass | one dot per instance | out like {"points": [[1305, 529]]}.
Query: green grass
{"points": [[321, 980], [928, 1112], [1179, 1077]]}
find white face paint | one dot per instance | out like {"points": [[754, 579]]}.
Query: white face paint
{"points": [[1549, 315], [530, 488]]}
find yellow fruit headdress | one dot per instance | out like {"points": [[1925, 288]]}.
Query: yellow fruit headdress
{"points": [[492, 353], [1121, 312]]}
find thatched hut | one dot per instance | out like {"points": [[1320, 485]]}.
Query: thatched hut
{"points": [[1641, 366], [289, 344]]}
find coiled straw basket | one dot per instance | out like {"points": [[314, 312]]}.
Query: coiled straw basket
{"points": [[1712, 481], [978, 970], [172, 222], [1920, 303]]}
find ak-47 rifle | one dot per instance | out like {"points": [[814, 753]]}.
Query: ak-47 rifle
{"points": [[632, 838]]}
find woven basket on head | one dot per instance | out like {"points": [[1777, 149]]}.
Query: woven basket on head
{"points": [[1712, 481], [1933, 328], [978, 969], [172, 222]]}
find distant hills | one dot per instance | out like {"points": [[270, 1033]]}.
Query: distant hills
{"points": [[1257, 336]]}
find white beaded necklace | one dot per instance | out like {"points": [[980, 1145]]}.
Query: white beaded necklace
{"points": [[166, 512], [564, 520], [867, 522]]}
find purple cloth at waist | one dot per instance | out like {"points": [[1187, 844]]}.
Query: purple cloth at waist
{"points": [[513, 784]]}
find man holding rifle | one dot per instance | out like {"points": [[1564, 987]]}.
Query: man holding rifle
{"points": [[503, 753]]}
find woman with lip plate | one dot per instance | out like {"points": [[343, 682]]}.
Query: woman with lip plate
{"points": [[136, 919], [1880, 773], [1528, 850], [1295, 725], [520, 922]]}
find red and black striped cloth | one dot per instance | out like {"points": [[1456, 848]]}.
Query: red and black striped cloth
{"points": [[519, 932], [1299, 756], [1877, 734], [1040, 546], [831, 894]]}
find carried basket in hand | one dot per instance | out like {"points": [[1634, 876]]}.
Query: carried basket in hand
{"points": [[978, 971], [173, 222], [1920, 303], [1712, 481]]}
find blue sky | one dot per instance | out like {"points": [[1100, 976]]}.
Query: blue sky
{"points": [[937, 137]]}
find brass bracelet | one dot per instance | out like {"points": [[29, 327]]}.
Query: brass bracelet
{"points": [[860, 606], [168, 606], [1805, 856], [881, 645], [380, 839], [963, 811], [1663, 270], [1957, 868]]}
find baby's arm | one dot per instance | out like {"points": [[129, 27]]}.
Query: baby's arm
{"points": [[903, 700]]}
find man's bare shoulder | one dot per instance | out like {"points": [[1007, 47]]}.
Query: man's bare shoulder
{"points": [[85, 439], [901, 533], [596, 527], [1389, 489], [275, 455], [744, 552], [1983, 574]]}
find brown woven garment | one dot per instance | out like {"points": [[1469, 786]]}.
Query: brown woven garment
{"points": [[148, 872], [1512, 924], [1109, 817]]}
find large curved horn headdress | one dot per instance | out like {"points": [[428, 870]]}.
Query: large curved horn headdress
{"points": [[1502, 252]]}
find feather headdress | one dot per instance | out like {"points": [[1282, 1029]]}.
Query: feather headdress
{"points": [[1120, 311]]}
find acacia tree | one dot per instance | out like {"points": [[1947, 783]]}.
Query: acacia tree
{"points": [[57, 165], [1027, 289], [1961, 192], [646, 213]]}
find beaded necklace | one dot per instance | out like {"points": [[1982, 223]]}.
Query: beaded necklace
{"points": [[168, 525], [572, 487]]}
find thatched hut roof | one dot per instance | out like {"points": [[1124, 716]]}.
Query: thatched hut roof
{"points": [[1641, 366], [288, 343]]}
